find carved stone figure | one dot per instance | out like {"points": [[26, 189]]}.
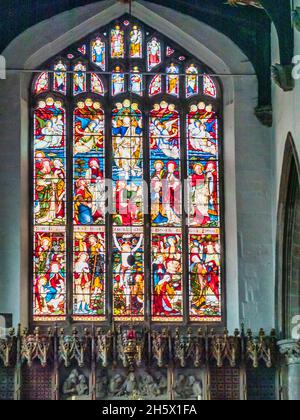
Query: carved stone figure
{"points": [[115, 385], [101, 385], [75, 385], [188, 387], [130, 385]]}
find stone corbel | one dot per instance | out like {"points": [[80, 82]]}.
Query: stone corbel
{"points": [[7, 348], [283, 76], [261, 348], [160, 345], [225, 348], [36, 347], [291, 350], [74, 348], [265, 115], [104, 344]]}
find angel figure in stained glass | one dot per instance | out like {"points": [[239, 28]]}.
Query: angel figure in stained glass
{"points": [[136, 43], [164, 130], [51, 133]]}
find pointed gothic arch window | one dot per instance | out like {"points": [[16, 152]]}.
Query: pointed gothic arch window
{"points": [[127, 182]]}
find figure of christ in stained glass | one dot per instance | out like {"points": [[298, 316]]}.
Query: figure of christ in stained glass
{"points": [[167, 304], [89, 273], [173, 80], [154, 55], [60, 78], [79, 79], [136, 43], [192, 81], [49, 288], [117, 43], [98, 53], [204, 268], [127, 131], [42, 83], [128, 274]]}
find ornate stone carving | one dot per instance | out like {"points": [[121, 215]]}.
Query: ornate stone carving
{"points": [[7, 348], [75, 386], [189, 348], [104, 342], [291, 350], [74, 348], [130, 348], [225, 348], [282, 76], [261, 348], [143, 385], [160, 347], [187, 387], [255, 3], [36, 347]]}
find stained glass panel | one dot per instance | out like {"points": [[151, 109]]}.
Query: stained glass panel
{"points": [[49, 210], [154, 53], [167, 275], [128, 273], [173, 80], [117, 82], [117, 43], [89, 212], [98, 51], [60, 78], [79, 79], [179, 249], [89, 273], [136, 43], [209, 87], [204, 268], [192, 81], [97, 84], [155, 87], [42, 83], [136, 82]]}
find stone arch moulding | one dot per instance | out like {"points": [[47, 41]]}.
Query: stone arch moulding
{"points": [[218, 51], [290, 160]]}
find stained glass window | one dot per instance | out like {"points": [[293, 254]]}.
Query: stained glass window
{"points": [[127, 182]]}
